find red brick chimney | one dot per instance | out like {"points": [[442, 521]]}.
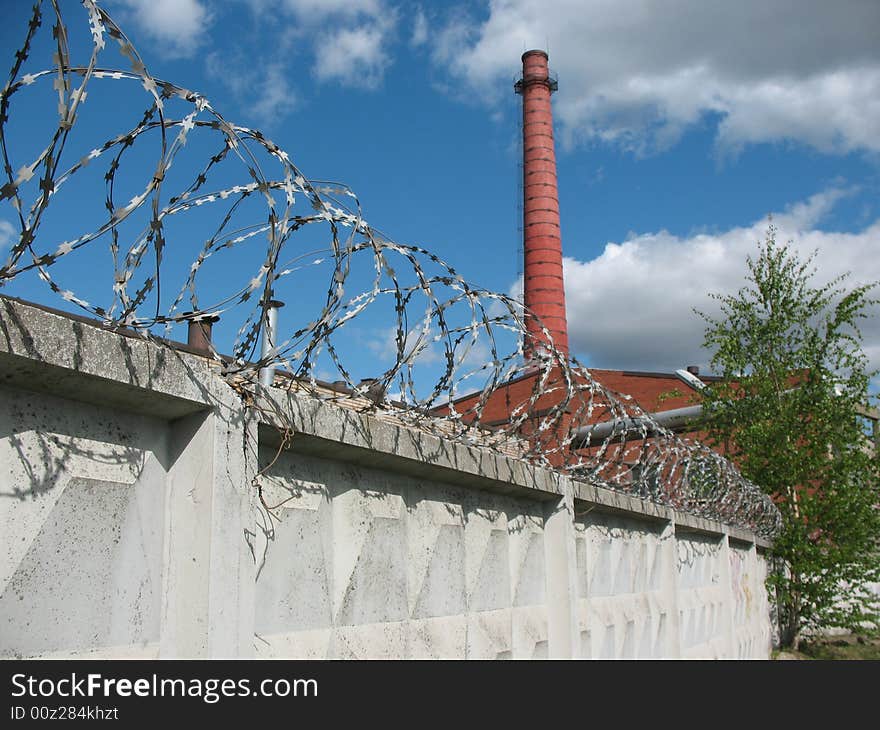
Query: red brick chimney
{"points": [[543, 291]]}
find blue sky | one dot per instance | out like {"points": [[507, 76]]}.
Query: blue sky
{"points": [[680, 126]]}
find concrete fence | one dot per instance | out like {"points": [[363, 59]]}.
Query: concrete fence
{"points": [[132, 527]]}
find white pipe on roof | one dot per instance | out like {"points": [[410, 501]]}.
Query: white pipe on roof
{"points": [[676, 418], [270, 336]]}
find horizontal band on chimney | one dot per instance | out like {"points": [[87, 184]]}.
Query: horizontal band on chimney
{"points": [[539, 293], [533, 169], [547, 202], [548, 318], [534, 249], [544, 199], [540, 170], [540, 312], [537, 176], [542, 218], [540, 241], [543, 223], [548, 280], [537, 296], [545, 317], [543, 190], [534, 212], [543, 262], [545, 309]]}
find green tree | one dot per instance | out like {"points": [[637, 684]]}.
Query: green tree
{"points": [[795, 380]]}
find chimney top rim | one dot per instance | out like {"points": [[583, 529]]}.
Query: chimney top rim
{"points": [[533, 52]]}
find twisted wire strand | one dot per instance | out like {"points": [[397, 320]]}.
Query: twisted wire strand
{"points": [[483, 391]]}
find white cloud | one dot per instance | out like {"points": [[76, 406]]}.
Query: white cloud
{"points": [[354, 56], [313, 13], [7, 233], [178, 24], [350, 38], [228, 68], [264, 91], [319, 10], [275, 98], [632, 307], [638, 74], [385, 346], [471, 354], [420, 29]]}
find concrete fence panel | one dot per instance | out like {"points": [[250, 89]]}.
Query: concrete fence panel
{"points": [[147, 511]]}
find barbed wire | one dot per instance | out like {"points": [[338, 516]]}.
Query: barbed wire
{"points": [[455, 353]]}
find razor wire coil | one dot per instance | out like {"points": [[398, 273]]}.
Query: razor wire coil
{"points": [[486, 394]]}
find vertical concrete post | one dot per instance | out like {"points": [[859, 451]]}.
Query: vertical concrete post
{"points": [[233, 571], [184, 626], [208, 574], [757, 621], [561, 570], [727, 601], [669, 588]]}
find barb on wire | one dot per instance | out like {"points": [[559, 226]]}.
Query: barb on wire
{"points": [[454, 354]]}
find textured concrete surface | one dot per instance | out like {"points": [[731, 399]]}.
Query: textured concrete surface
{"points": [[369, 563], [624, 609], [82, 520], [132, 526]]}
